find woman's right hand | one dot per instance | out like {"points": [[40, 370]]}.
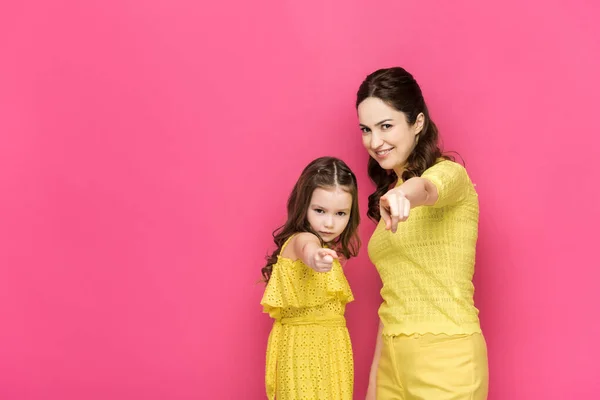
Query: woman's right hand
{"points": [[322, 260], [394, 207]]}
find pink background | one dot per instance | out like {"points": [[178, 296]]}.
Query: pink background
{"points": [[148, 148]]}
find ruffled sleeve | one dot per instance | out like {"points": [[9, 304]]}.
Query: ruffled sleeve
{"points": [[294, 284]]}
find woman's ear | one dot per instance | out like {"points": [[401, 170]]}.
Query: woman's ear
{"points": [[419, 123]]}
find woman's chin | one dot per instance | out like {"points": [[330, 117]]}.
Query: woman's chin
{"points": [[387, 164]]}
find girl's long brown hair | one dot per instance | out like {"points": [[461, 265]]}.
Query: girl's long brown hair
{"points": [[324, 172], [398, 89]]}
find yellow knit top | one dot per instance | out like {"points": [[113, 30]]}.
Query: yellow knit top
{"points": [[427, 266]]}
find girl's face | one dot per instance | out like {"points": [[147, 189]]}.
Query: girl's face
{"points": [[387, 136], [329, 212]]}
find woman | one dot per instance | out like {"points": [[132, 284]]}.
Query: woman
{"points": [[429, 345]]}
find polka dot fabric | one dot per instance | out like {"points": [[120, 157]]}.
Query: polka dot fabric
{"points": [[309, 355]]}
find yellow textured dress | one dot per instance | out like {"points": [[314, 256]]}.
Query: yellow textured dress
{"points": [[309, 354]]}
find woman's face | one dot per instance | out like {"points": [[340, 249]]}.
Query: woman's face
{"points": [[387, 135]]}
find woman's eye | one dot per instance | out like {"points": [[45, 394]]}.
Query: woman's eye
{"points": [[386, 126], [364, 129]]}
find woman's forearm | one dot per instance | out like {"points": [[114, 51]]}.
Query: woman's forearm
{"points": [[376, 355]]}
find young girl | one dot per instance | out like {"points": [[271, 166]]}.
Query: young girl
{"points": [[309, 354]]}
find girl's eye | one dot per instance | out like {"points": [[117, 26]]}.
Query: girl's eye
{"points": [[341, 213], [319, 211]]}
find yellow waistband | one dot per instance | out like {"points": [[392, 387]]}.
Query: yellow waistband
{"points": [[328, 320]]}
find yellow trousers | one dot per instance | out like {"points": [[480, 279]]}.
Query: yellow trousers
{"points": [[433, 367]]}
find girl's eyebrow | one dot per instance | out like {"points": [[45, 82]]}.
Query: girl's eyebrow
{"points": [[325, 208]]}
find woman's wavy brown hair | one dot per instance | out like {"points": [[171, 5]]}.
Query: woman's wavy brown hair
{"points": [[326, 173], [398, 89]]}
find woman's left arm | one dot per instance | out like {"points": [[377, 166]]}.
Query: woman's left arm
{"points": [[444, 184], [395, 205]]}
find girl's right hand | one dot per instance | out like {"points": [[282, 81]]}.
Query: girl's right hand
{"points": [[322, 260]]}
